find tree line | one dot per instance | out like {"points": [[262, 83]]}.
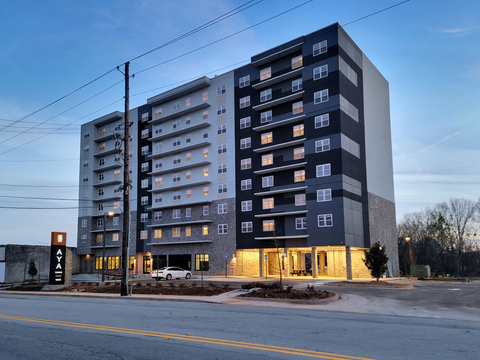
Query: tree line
{"points": [[446, 237]]}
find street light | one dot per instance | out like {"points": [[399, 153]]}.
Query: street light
{"points": [[103, 240]]}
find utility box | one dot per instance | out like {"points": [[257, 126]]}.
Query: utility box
{"points": [[420, 271]]}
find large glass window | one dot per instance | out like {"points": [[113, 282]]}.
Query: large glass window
{"points": [[201, 262]]}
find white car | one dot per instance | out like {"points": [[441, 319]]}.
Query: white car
{"points": [[171, 272]]}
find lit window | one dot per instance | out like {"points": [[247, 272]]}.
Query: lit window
{"points": [[222, 208], [267, 138], [205, 190], [244, 81], [206, 210], [320, 72], [222, 229], [297, 107], [201, 262], [322, 145], [265, 95], [299, 153], [158, 234], [320, 48], [297, 62], [324, 195], [247, 205], [222, 188], [221, 90], [320, 96], [267, 203], [116, 205], [101, 147], [301, 223], [188, 193], [176, 232], [158, 180], [205, 95], [247, 227], [205, 171], [245, 122], [115, 237], [300, 199], [205, 230], [268, 225], [298, 130], [267, 159], [158, 112], [188, 175], [188, 231], [246, 184], [323, 170], [265, 73], [296, 85], [322, 121], [244, 102], [145, 117], [246, 164], [144, 234], [267, 181], [299, 175], [221, 109], [99, 237], [245, 143], [222, 168], [266, 116], [102, 132], [188, 156], [325, 220], [187, 102], [205, 114]]}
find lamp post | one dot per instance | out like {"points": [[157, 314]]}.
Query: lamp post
{"points": [[407, 239], [103, 240]]}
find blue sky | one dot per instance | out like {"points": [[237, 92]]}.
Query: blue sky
{"points": [[429, 51]]}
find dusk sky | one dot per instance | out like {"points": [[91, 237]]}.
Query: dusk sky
{"points": [[428, 50]]}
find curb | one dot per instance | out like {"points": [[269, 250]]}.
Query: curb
{"points": [[293, 301]]}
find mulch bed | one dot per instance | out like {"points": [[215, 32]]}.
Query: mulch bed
{"points": [[290, 294], [383, 284]]}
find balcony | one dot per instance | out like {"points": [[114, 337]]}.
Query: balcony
{"points": [[180, 131], [179, 114], [280, 168], [282, 100], [179, 168], [193, 222], [281, 191], [279, 146], [179, 150], [180, 186], [275, 124], [277, 79]]}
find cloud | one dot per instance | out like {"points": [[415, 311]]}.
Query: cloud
{"points": [[448, 137], [459, 32]]}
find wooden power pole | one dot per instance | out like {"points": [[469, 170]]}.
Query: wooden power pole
{"points": [[126, 186]]}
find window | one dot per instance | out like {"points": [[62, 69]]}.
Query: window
{"points": [[188, 138], [267, 203], [323, 170], [266, 116], [188, 120], [244, 81], [144, 217], [100, 207], [157, 234], [296, 85], [324, 195], [144, 234], [158, 146], [322, 145], [244, 102], [84, 238], [116, 220], [158, 198], [144, 183], [320, 48], [101, 177], [157, 215], [221, 129], [144, 200], [188, 175], [177, 141], [101, 162], [247, 227], [320, 96], [297, 107], [245, 122], [188, 156], [187, 102], [222, 188], [145, 117], [222, 109], [221, 90], [205, 230], [205, 134], [322, 121], [100, 192], [300, 200], [188, 231], [177, 195], [267, 138], [145, 133], [116, 189], [158, 180], [222, 168], [145, 150], [177, 159], [201, 262], [176, 106], [245, 143], [320, 72], [176, 177], [205, 95], [325, 220], [99, 222], [84, 223], [85, 163], [102, 132], [99, 237], [85, 193], [158, 112], [85, 209], [205, 115], [116, 205], [267, 159], [145, 167], [188, 194], [115, 237], [301, 223], [176, 213], [268, 225], [86, 149], [299, 175], [205, 171], [265, 73], [158, 164], [265, 95], [267, 181], [206, 210], [298, 153], [297, 62], [205, 190], [101, 147], [298, 130], [176, 232], [222, 208], [116, 173], [86, 135], [222, 229], [188, 212], [247, 205], [246, 184], [246, 164]]}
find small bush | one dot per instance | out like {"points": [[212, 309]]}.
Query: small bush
{"points": [[226, 286], [212, 285], [276, 285], [159, 284], [182, 285], [148, 284], [194, 284], [107, 283], [171, 284], [310, 288], [248, 286], [138, 285]]}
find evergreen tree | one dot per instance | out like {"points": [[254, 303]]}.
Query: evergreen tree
{"points": [[32, 269], [376, 260]]}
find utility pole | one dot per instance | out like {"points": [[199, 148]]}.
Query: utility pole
{"points": [[126, 186]]}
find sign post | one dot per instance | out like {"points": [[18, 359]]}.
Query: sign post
{"points": [[58, 254], [226, 265]]}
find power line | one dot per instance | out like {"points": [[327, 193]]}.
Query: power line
{"points": [[40, 198], [41, 186], [377, 12], [22, 161]]}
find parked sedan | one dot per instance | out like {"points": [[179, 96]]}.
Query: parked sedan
{"points": [[171, 272]]}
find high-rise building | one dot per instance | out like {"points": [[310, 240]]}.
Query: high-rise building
{"points": [[284, 162]]}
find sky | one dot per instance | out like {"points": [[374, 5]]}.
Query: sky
{"points": [[428, 50]]}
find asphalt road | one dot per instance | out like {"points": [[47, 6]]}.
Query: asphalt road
{"points": [[55, 327]]}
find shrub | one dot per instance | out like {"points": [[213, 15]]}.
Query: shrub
{"points": [[213, 285], [276, 285], [194, 284], [248, 286], [181, 285], [138, 285], [148, 284], [172, 284], [226, 286]]}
